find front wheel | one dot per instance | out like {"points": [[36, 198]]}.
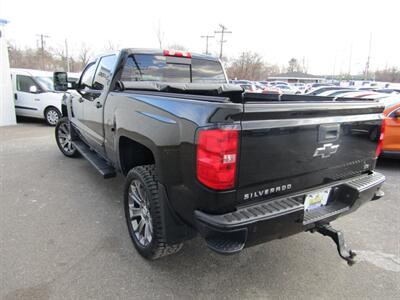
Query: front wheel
{"points": [[52, 115], [143, 213], [63, 138]]}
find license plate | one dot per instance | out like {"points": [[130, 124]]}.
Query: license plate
{"points": [[316, 199]]}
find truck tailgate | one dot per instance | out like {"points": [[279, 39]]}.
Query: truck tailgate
{"points": [[292, 146]]}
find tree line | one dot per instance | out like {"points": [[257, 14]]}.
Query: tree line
{"points": [[248, 65], [49, 59]]}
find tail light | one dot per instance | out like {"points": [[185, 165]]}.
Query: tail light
{"points": [[217, 151], [177, 53], [380, 140]]}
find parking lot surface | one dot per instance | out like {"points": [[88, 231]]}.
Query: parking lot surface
{"points": [[63, 236]]}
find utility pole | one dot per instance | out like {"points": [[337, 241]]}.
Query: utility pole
{"points": [[42, 37], [222, 41], [350, 58], [369, 57], [207, 37], [66, 54]]}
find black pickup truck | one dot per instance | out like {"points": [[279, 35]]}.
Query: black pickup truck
{"points": [[201, 156]]}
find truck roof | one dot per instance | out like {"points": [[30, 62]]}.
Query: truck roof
{"points": [[155, 51]]}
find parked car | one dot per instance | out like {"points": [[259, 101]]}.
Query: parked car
{"points": [[34, 95], [319, 90], [241, 82], [391, 142], [312, 86], [288, 89], [201, 156], [300, 86], [334, 93], [388, 91], [273, 83], [251, 88], [360, 94]]}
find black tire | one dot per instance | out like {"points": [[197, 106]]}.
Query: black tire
{"points": [[145, 177], [52, 115], [63, 138]]}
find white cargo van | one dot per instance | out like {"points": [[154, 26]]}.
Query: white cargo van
{"points": [[34, 95]]}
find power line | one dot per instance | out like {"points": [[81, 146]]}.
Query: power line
{"points": [[42, 37], [207, 37], [222, 41]]}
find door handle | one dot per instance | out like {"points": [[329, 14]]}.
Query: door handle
{"points": [[16, 96], [37, 99], [99, 105]]}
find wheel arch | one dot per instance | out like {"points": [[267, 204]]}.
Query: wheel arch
{"points": [[133, 152]]}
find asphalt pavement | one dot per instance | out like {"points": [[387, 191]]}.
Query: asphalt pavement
{"points": [[63, 236]]}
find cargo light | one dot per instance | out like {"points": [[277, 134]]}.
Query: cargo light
{"points": [[217, 152], [380, 140], [177, 53]]}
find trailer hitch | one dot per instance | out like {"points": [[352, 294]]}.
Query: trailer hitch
{"points": [[338, 237]]}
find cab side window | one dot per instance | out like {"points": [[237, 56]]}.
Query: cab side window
{"points": [[24, 83], [104, 72], [88, 74]]}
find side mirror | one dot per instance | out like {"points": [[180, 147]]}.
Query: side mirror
{"points": [[60, 81], [33, 89]]}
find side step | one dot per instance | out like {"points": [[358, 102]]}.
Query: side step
{"points": [[224, 245], [98, 162], [227, 242]]}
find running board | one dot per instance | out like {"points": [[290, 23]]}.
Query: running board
{"points": [[98, 162]]}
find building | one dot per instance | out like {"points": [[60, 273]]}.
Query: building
{"points": [[294, 77], [7, 110]]}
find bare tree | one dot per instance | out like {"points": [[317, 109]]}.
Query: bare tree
{"points": [[388, 74], [111, 46], [250, 66], [84, 55], [294, 66], [160, 35]]}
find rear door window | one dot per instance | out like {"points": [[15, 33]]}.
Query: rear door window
{"points": [[104, 71], [145, 67]]}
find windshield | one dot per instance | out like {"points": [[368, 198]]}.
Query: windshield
{"points": [[145, 67], [45, 82]]}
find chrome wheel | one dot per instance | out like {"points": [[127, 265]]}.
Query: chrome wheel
{"points": [[64, 138], [139, 213], [52, 117]]}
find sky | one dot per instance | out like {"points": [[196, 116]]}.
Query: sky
{"points": [[332, 37]]}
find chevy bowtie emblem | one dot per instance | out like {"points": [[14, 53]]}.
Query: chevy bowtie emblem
{"points": [[326, 150]]}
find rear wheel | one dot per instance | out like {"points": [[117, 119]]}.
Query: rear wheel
{"points": [[63, 138], [143, 213], [52, 115]]}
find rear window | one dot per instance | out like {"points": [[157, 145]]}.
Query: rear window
{"points": [[145, 67]]}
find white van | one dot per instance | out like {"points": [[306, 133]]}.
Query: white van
{"points": [[34, 95]]}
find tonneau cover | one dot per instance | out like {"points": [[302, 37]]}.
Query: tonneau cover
{"points": [[234, 92]]}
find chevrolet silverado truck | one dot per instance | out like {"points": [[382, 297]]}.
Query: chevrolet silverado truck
{"points": [[201, 156]]}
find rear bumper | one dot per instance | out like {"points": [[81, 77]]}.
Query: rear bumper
{"points": [[281, 217]]}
